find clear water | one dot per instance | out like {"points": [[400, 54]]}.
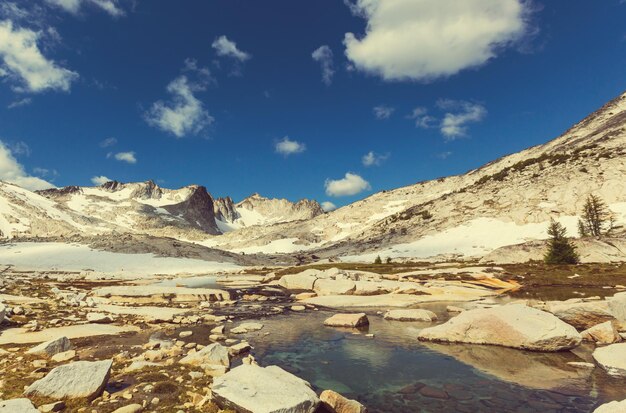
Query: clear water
{"points": [[203, 281], [393, 372]]}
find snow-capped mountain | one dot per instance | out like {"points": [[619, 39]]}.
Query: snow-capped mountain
{"points": [[508, 201]]}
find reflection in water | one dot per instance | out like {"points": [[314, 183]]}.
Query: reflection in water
{"points": [[204, 281], [393, 372]]}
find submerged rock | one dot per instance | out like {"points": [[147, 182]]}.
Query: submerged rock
{"points": [[17, 406], [410, 315], [52, 347], [336, 403], [347, 320], [81, 379], [253, 389], [514, 325], [612, 359]]}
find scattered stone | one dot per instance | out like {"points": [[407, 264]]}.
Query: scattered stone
{"points": [[212, 355], [582, 364], [99, 318], [298, 308], [612, 359], [514, 325], [52, 347], [185, 334], [304, 296], [80, 379], [240, 348], [17, 406], [454, 309], [336, 403], [64, 356], [52, 407], [604, 333], [347, 320], [246, 328], [254, 389], [218, 330], [131, 408], [410, 315]]}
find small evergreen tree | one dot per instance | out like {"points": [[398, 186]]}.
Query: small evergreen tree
{"points": [[378, 260], [388, 260], [596, 220], [560, 249]]}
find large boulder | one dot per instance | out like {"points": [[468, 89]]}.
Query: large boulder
{"points": [[336, 403], [52, 347], [253, 389], [604, 333], [513, 325], [77, 380], [410, 315], [300, 281], [212, 355], [579, 314], [617, 306], [334, 287], [612, 407], [17, 406], [347, 320], [246, 328], [3, 310], [612, 359]]}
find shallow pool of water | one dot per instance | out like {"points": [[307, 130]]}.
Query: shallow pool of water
{"points": [[203, 281], [393, 372]]}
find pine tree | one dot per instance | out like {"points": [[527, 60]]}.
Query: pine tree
{"points": [[596, 220], [378, 260], [560, 249]]}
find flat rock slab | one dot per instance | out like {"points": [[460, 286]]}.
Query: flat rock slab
{"points": [[410, 315], [160, 293], [612, 359], [391, 300], [153, 313], [347, 320], [17, 406], [19, 299], [214, 354], [23, 336], [254, 389], [513, 325], [78, 380], [246, 328]]}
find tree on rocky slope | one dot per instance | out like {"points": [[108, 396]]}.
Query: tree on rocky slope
{"points": [[596, 219], [560, 249]]}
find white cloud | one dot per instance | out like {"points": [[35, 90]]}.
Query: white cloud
{"points": [[185, 114], [421, 117], [374, 159], [12, 171], [328, 206], [100, 180], [22, 60], [427, 39], [288, 147], [128, 157], [324, 56], [74, 6], [444, 155], [383, 111], [19, 103], [351, 184], [226, 47], [108, 142], [454, 123]]}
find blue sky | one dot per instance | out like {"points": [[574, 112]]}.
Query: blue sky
{"points": [[277, 97]]}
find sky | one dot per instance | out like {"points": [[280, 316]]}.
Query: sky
{"points": [[329, 100]]}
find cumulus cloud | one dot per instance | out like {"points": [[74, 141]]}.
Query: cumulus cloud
{"points": [[426, 39], [128, 157], [422, 118], [351, 184], [324, 56], [74, 6], [22, 60], [460, 113], [383, 112], [328, 206], [288, 147], [374, 159], [13, 172], [100, 180], [227, 48], [108, 142], [184, 114]]}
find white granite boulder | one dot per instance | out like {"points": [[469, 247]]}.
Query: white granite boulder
{"points": [[604, 333], [612, 407], [612, 359], [514, 325], [347, 320], [334, 287], [335, 402], [617, 306], [301, 281], [410, 315], [580, 314], [52, 347], [253, 389], [17, 406], [212, 355], [246, 328], [77, 380]]}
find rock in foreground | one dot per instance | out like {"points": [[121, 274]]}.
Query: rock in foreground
{"points": [[52, 347], [410, 315], [347, 320], [254, 389], [514, 325], [612, 407], [581, 314], [81, 379], [336, 403], [17, 406], [612, 359], [212, 355]]}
